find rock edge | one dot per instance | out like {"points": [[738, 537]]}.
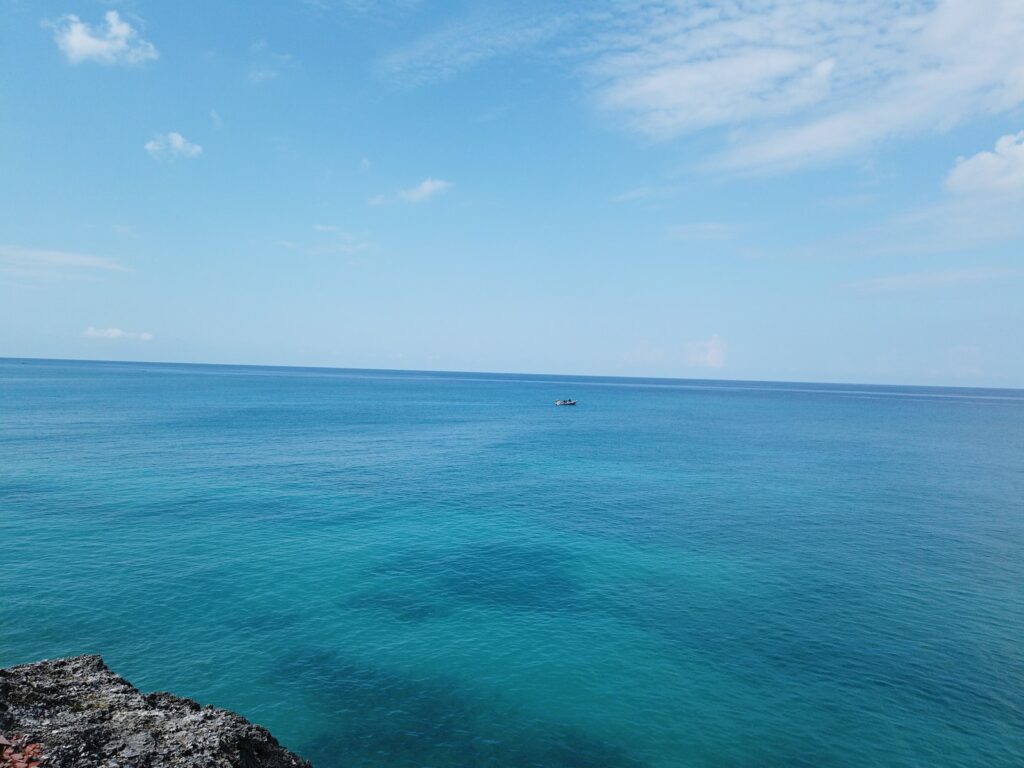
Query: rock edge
{"points": [[84, 715]]}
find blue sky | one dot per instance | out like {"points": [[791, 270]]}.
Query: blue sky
{"points": [[801, 190]]}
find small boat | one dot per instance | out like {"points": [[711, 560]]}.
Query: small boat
{"points": [[565, 402]]}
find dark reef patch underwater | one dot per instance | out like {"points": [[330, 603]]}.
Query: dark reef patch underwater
{"points": [[400, 569], [404, 720]]}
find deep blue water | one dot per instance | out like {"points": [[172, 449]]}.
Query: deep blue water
{"points": [[405, 569]]}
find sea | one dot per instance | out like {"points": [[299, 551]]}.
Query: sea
{"points": [[429, 570]]}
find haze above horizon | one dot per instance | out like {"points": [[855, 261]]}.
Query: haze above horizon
{"points": [[798, 191]]}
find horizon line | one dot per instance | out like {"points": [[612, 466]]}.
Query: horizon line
{"points": [[509, 373]]}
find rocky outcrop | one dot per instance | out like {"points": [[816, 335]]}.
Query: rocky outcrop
{"points": [[81, 714]]}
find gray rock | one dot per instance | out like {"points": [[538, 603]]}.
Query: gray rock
{"points": [[85, 716]]}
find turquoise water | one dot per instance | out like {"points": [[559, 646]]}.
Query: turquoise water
{"points": [[401, 569]]}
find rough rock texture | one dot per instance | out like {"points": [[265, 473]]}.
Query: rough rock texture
{"points": [[83, 715]]}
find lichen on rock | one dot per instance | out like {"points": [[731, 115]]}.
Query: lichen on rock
{"points": [[81, 714]]}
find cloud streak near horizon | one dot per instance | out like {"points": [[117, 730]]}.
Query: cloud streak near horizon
{"points": [[116, 334], [709, 353]]}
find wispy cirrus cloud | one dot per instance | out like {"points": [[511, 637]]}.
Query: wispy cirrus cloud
{"points": [[983, 211], [936, 278], [330, 240], [701, 230], [113, 42], [641, 193], [43, 263], [379, 9], [812, 80], [116, 334], [427, 189], [672, 68], [468, 41], [340, 243], [265, 64], [785, 83], [172, 145]]}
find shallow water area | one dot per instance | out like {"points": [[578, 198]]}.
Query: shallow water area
{"points": [[413, 569]]}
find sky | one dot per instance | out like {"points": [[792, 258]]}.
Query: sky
{"points": [[802, 190]]}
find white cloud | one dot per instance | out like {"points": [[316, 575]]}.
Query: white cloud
{"points": [[172, 145], [422, 192], [707, 354], [920, 280], [116, 334], [34, 262], [115, 42], [216, 119], [324, 228], [998, 172], [425, 190]]}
